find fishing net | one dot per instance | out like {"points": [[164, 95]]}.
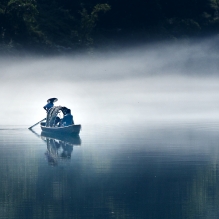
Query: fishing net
{"points": [[51, 116]]}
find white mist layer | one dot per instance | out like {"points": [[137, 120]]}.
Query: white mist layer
{"points": [[161, 83]]}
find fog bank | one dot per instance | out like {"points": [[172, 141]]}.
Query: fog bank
{"points": [[161, 82]]}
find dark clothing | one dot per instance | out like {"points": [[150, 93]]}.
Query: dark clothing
{"points": [[67, 120], [48, 106], [57, 120]]}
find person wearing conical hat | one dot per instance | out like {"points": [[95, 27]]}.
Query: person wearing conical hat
{"points": [[50, 104]]}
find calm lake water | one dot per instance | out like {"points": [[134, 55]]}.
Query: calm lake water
{"points": [[148, 171]]}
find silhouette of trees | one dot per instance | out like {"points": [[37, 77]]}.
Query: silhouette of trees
{"points": [[75, 24], [18, 20]]}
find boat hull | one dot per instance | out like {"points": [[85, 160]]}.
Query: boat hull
{"points": [[71, 129]]}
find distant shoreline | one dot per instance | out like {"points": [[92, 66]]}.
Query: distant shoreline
{"points": [[100, 44]]}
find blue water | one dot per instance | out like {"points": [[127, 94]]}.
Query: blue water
{"points": [[152, 171]]}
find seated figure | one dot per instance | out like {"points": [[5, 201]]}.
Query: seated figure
{"points": [[67, 119]]}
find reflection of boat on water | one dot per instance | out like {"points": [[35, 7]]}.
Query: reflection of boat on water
{"points": [[68, 138], [59, 146]]}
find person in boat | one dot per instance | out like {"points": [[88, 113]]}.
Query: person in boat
{"points": [[50, 104], [67, 119]]}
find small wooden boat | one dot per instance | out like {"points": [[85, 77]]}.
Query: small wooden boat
{"points": [[71, 129], [53, 127]]}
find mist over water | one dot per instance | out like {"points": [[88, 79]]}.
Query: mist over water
{"points": [[161, 82], [149, 135]]}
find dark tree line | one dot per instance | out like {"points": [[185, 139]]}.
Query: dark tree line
{"points": [[75, 24]]}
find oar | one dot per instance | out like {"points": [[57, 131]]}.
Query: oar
{"points": [[36, 123]]}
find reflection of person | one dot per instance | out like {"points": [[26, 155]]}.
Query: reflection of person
{"points": [[67, 150], [52, 151], [57, 149], [50, 104], [67, 119]]}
